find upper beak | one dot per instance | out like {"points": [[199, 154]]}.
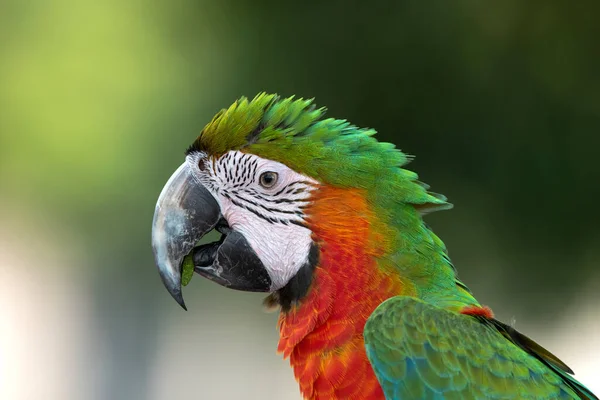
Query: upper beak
{"points": [[185, 212]]}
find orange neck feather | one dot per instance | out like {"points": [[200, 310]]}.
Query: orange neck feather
{"points": [[323, 333]]}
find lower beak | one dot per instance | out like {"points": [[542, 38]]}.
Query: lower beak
{"points": [[185, 212]]}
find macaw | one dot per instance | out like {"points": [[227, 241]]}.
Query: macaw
{"points": [[323, 217]]}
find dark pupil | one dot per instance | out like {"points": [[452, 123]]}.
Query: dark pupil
{"points": [[268, 178]]}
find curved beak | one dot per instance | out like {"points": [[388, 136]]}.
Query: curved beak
{"points": [[185, 212]]}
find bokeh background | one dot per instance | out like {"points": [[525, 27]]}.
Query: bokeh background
{"points": [[99, 99]]}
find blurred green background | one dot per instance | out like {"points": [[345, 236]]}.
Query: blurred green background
{"points": [[99, 99]]}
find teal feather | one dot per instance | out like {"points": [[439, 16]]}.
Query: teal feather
{"points": [[418, 350]]}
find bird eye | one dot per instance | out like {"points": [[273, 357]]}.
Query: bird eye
{"points": [[268, 179]]}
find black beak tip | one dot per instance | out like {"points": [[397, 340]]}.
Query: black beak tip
{"points": [[178, 296], [182, 303]]}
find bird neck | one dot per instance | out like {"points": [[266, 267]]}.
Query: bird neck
{"points": [[365, 254], [322, 333]]}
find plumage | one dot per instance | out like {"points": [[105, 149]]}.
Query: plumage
{"points": [[481, 362], [378, 309]]}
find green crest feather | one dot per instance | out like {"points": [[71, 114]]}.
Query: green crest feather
{"points": [[333, 151]]}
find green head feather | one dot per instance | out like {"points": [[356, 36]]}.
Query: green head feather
{"points": [[294, 132]]}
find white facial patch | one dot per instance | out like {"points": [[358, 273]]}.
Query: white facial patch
{"points": [[270, 217]]}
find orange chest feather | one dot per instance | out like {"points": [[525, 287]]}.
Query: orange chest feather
{"points": [[323, 335]]}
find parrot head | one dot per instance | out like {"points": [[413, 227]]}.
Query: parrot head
{"points": [[255, 174]]}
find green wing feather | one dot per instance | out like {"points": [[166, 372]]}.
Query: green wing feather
{"points": [[420, 351]]}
